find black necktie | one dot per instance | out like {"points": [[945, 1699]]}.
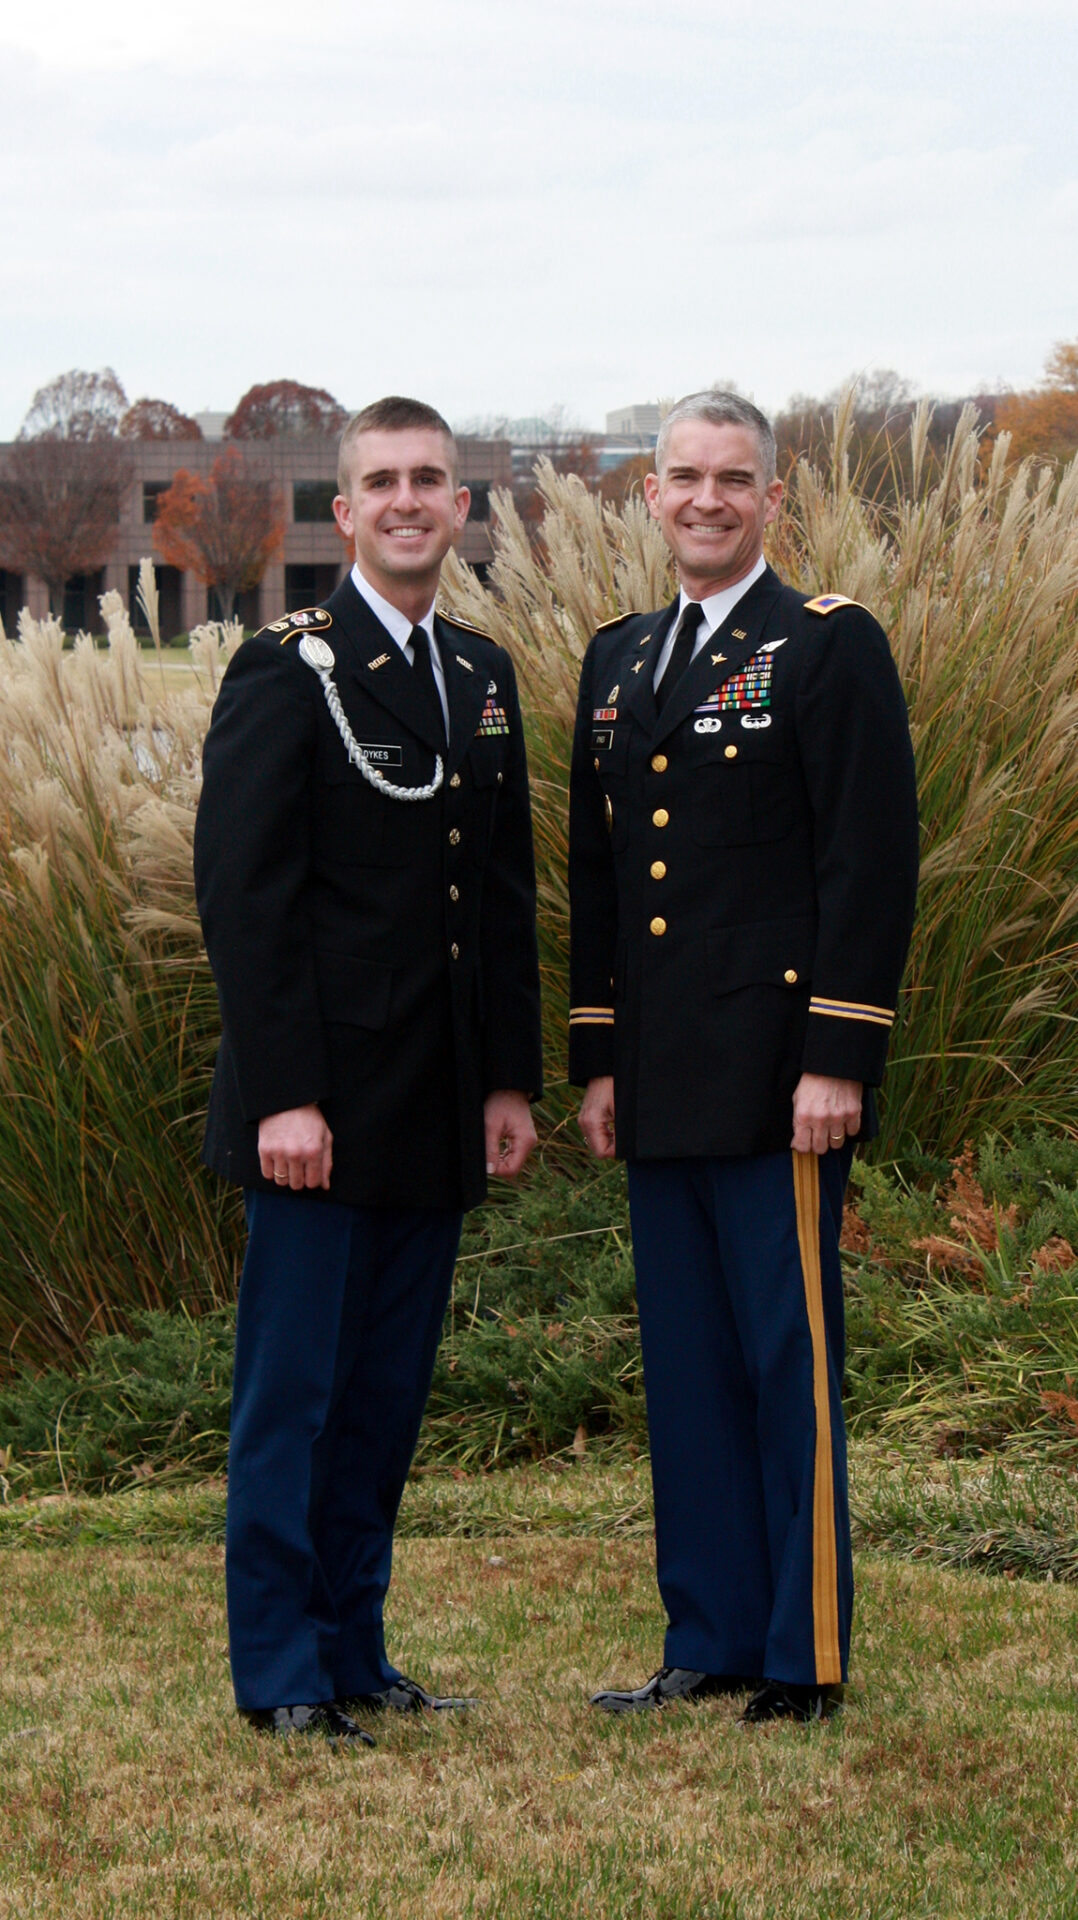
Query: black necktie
{"points": [[682, 654], [423, 668]]}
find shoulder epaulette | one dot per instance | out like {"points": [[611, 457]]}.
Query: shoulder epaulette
{"points": [[830, 602], [615, 622], [454, 620], [307, 620]]}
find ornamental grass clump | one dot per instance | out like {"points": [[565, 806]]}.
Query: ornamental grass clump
{"points": [[107, 1010]]}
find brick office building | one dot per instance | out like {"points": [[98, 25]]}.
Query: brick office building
{"points": [[314, 556]]}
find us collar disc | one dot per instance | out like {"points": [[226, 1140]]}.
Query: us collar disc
{"points": [[317, 653]]}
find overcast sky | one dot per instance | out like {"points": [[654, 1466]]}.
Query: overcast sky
{"points": [[503, 204]]}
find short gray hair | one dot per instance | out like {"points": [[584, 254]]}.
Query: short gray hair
{"points": [[722, 409]]}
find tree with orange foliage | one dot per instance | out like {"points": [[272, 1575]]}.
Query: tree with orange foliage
{"points": [[225, 527], [1044, 423], [158, 420], [284, 406]]}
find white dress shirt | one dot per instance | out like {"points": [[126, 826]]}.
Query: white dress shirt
{"points": [[716, 609]]}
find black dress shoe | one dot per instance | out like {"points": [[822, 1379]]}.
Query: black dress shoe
{"points": [[326, 1718], [670, 1683], [784, 1700], [407, 1696]]}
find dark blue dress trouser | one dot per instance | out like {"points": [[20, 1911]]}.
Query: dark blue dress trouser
{"points": [[739, 1287], [340, 1311]]}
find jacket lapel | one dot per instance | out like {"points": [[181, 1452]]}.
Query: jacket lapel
{"points": [[371, 659], [466, 685], [638, 674], [723, 654]]}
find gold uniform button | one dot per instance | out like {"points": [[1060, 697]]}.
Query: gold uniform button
{"points": [[454, 893], [501, 777], [659, 763], [658, 869], [596, 763], [731, 753], [454, 779], [454, 836], [660, 817], [658, 925], [790, 976], [455, 951]]}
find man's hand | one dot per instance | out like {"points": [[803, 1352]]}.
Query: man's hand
{"points": [[295, 1148], [597, 1116], [510, 1132], [825, 1111]]}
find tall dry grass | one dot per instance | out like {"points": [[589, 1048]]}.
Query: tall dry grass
{"points": [[107, 1009]]}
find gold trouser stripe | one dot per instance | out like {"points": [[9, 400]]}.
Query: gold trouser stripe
{"points": [[824, 1544]]}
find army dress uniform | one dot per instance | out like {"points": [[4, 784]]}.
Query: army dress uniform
{"points": [[374, 954], [742, 881]]}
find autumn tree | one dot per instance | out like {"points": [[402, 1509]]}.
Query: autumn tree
{"points": [[225, 526], [284, 406], [1044, 423], [59, 508], [76, 406], [158, 420], [62, 481]]}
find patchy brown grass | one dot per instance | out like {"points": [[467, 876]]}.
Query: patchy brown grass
{"points": [[128, 1786]]}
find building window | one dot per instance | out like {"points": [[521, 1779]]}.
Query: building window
{"points": [[151, 494], [480, 504], [312, 500], [12, 601]]}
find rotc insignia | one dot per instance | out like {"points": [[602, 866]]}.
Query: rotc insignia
{"points": [[605, 713], [303, 621], [612, 696], [827, 602], [380, 662], [492, 720], [740, 634], [462, 662]]}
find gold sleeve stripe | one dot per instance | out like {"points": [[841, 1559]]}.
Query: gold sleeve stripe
{"points": [[591, 1016], [852, 1010]]}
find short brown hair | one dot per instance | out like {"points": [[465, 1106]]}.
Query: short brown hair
{"points": [[394, 414]]}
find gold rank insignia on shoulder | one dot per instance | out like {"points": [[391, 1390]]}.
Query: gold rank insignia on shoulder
{"points": [[307, 620], [379, 662], [454, 620], [828, 602], [462, 662]]}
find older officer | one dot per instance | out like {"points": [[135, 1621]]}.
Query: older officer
{"points": [[743, 851], [364, 872]]}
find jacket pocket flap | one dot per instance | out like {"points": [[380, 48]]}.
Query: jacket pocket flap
{"points": [[765, 952], [353, 992]]}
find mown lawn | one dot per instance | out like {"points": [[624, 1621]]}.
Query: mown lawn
{"points": [[128, 1787]]}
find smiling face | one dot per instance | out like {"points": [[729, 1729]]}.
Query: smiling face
{"points": [[712, 503], [403, 508]]}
